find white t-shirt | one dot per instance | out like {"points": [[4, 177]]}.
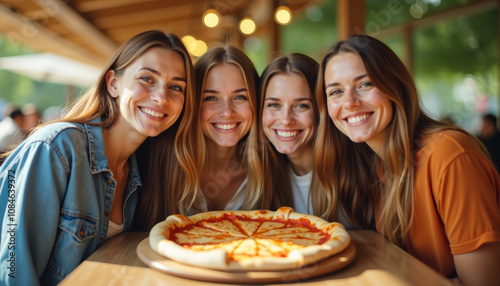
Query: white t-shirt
{"points": [[302, 203], [114, 229], [235, 203]]}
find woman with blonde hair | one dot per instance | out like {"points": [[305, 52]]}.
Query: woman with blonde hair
{"points": [[225, 134], [434, 190], [75, 182], [288, 119]]}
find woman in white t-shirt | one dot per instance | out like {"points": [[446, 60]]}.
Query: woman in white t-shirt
{"points": [[225, 133], [289, 117]]}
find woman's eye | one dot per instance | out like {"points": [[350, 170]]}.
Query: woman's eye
{"points": [[176, 88], [147, 79], [365, 85], [273, 105], [241, 97], [302, 106], [210, 98], [335, 92]]}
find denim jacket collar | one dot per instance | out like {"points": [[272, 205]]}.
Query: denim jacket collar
{"points": [[98, 159]]}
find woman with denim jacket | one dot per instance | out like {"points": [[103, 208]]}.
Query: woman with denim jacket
{"points": [[74, 182]]}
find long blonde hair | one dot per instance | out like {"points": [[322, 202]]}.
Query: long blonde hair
{"points": [[276, 165], [247, 146], [168, 153], [356, 178]]}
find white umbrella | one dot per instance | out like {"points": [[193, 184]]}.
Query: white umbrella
{"points": [[48, 67]]}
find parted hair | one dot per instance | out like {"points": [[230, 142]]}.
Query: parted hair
{"points": [[169, 154], [276, 166], [351, 170], [248, 145]]}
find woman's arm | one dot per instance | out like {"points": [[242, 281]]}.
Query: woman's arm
{"points": [[33, 182], [481, 266]]}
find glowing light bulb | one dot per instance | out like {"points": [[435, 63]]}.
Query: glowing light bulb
{"points": [[283, 15], [211, 18], [247, 26], [190, 43], [201, 48]]}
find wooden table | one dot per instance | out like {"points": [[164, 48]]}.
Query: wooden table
{"points": [[377, 262]]}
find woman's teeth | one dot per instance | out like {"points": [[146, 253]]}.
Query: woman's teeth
{"points": [[356, 119], [152, 113], [225, 126], [287, 133]]}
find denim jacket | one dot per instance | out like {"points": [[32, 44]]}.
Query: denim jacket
{"points": [[56, 192]]}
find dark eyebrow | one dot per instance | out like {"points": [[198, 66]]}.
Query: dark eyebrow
{"points": [[355, 79], [296, 100], [215, 91], [210, 91], [158, 73], [240, 90], [272, 98]]}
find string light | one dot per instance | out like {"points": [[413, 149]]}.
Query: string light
{"points": [[200, 49], [247, 26], [283, 15], [211, 18], [190, 43]]}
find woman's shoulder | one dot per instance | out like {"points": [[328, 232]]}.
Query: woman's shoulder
{"points": [[53, 131], [447, 145], [451, 141]]}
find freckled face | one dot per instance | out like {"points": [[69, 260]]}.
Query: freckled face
{"points": [[288, 115], [150, 92], [226, 113], [357, 108]]}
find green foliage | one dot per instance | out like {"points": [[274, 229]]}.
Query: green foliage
{"points": [[310, 37]]}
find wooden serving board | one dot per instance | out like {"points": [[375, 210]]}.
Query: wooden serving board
{"points": [[149, 257]]}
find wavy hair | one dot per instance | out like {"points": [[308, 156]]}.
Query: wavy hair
{"points": [[275, 166], [355, 176], [248, 145], [170, 151]]}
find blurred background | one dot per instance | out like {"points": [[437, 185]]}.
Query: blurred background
{"points": [[52, 50]]}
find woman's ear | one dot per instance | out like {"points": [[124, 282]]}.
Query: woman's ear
{"points": [[111, 83]]}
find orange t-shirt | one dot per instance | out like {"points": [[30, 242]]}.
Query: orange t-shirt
{"points": [[456, 201]]}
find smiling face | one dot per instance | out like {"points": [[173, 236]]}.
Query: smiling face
{"points": [[150, 92], [226, 113], [357, 108], [288, 115]]}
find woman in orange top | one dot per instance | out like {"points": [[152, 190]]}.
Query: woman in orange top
{"points": [[435, 192]]}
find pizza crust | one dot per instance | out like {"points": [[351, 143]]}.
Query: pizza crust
{"points": [[234, 249]]}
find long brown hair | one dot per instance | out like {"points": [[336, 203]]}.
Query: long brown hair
{"points": [[275, 166], [168, 154], [351, 169], [219, 54]]}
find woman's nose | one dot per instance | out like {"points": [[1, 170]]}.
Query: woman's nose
{"points": [[160, 95], [286, 117], [351, 99], [227, 109]]}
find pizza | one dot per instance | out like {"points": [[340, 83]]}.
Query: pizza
{"points": [[248, 240]]}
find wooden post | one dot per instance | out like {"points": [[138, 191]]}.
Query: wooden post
{"points": [[408, 47], [275, 31], [350, 17], [498, 49]]}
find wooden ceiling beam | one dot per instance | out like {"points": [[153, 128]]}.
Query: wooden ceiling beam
{"points": [[31, 33], [93, 5], [79, 26]]}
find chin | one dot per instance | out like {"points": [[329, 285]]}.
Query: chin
{"points": [[286, 151]]}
